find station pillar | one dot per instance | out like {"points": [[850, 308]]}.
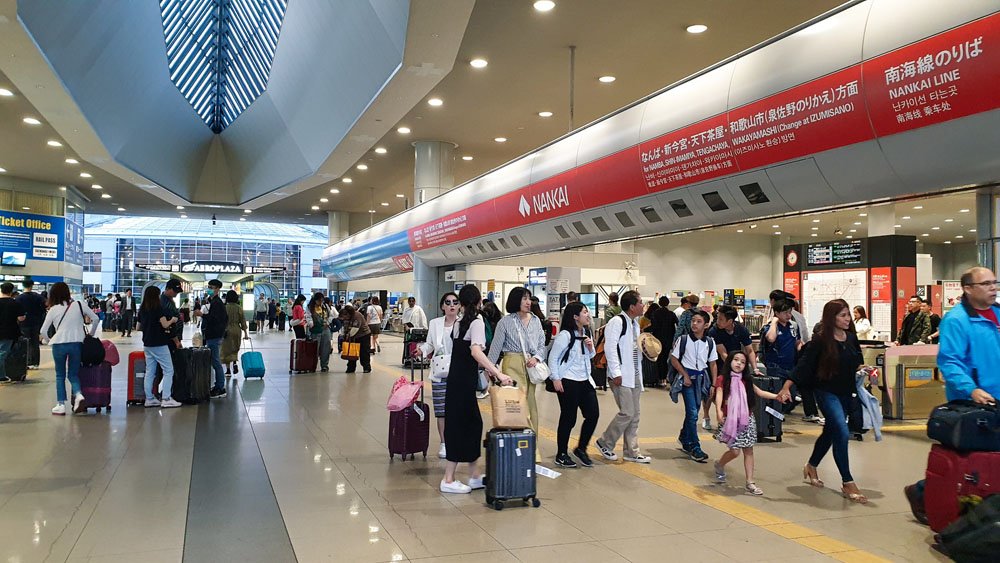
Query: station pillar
{"points": [[337, 230], [988, 227], [433, 174], [881, 221]]}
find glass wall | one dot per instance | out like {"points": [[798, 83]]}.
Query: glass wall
{"points": [[131, 251]]}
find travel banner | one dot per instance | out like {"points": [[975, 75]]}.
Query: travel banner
{"points": [[28, 236]]}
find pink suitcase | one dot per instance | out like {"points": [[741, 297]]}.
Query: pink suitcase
{"points": [[95, 384], [408, 434], [303, 356]]}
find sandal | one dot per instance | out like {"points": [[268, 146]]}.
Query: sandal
{"points": [[753, 489], [857, 497], [809, 475]]}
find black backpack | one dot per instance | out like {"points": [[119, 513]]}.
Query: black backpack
{"points": [[671, 371], [92, 352]]}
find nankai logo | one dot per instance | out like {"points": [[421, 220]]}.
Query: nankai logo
{"points": [[544, 202]]}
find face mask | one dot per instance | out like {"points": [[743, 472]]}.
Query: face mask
{"points": [[209, 292]]}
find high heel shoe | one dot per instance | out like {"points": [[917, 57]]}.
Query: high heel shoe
{"points": [[811, 477], [857, 497]]}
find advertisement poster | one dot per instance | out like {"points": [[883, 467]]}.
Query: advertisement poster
{"points": [[74, 238], [880, 314], [951, 295], [38, 237]]}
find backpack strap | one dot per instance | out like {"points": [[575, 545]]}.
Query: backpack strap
{"points": [[569, 348], [618, 346]]}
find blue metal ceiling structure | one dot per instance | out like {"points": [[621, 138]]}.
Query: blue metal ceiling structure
{"points": [[220, 52]]}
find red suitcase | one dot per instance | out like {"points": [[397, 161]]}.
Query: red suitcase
{"points": [[95, 384], [951, 475], [304, 355], [409, 432], [136, 378]]}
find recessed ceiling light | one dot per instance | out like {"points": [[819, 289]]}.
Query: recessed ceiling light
{"points": [[815, 220], [814, 235], [180, 207], [478, 63], [72, 161], [775, 226], [815, 228], [963, 210], [243, 218], [315, 208], [857, 222], [897, 226], [853, 230], [400, 196], [384, 204], [380, 150], [466, 157], [436, 102], [607, 79], [346, 180], [248, 211], [62, 188], [121, 209], [926, 235], [739, 230], [85, 175], [544, 5], [972, 230], [3, 170], [105, 196], [697, 28], [26, 208], [862, 214], [6, 93], [935, 228], [31, 121], [362, 167], [500, 139], [777, 232], [183, 216], [906, 217], [324, 200], [371, 211], [545, 114], [949, 220], [918, 206], [403, 130], [54, 144], [959, 236], [334, 191], [97, 187], [947, 242], [71, 206], [753, 226], [849, 236]]}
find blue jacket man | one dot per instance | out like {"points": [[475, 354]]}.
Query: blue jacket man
{"points": [[968, 354]]}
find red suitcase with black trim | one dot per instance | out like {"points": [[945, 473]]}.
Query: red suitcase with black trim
{"points": [[953, 477], [303, 356], [136, 378]]}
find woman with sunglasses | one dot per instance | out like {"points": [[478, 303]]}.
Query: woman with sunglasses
{"points": [[439, 344]]}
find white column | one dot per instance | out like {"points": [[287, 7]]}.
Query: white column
{"points": [[432, 175], [988, 227], [337, 230], [882, 220]]}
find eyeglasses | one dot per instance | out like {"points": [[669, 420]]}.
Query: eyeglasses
{"points": [[985, 284], [451, 302]]}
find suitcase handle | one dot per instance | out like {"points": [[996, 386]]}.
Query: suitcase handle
{"points": [[413, 371]]}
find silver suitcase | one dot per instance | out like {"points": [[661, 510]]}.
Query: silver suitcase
{"points": [[510, 467]]}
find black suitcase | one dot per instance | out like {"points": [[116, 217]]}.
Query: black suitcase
{"points": [[600, 377], [510, 467], [254, 326], [965, 426], [975, 537], [192, 375], [180, 390], [16, 362], [768, 421], [650, 373]]}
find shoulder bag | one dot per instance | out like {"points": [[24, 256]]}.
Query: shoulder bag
{"points": [[440, 363], [92, 352], [540, 372]]}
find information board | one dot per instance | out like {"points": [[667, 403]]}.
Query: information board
{"points": [[40, 237], [820, 287], [837, 253]]}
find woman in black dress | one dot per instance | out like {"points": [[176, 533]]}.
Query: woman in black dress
{"points": [[463, 426]]}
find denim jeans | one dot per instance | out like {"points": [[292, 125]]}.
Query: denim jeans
{"points": [[835, 433], [158, 355], [689, 430], [64, 355], [5, 346], [215, 345]]}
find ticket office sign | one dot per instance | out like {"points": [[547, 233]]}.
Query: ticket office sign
{"points": [[39, 237]]}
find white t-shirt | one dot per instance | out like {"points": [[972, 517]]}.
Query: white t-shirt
{"points": [[696, 354], [374, 313]]}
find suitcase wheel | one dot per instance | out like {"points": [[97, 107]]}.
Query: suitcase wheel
{"points": [[425, 455], [489, 499], [777, 439], [498, 505], [536, 503]]}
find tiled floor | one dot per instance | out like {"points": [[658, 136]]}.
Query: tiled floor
{"points": [[116, 487]]}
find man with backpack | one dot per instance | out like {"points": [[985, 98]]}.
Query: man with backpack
{"points": [[11, 313], [780, 342], [625, 375], [34, 314], [213, 326], [694, 359]]}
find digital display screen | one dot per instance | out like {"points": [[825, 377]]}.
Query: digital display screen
{"points": [[14, 258], [845, 253], [590, 300]]}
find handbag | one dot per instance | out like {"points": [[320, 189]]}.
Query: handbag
{"points": [[441, 363], [350, 351], [92, 352], [510, 408], [540, 372]]}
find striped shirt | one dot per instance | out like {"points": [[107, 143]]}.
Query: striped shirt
{"points": [[505, 338]]}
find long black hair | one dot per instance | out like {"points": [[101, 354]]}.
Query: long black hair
{"points": [[150, 299], [470, 298], [747, 379], [568, 323]]}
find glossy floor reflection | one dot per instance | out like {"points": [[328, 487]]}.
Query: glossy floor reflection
{"points": [[296, 468]]}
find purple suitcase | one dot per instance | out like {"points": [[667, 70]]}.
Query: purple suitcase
{"points": [[408, 434], [303, 356], [95, 383]]}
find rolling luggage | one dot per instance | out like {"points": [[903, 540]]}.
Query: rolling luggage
{"points": [[254, 325], [16, 362], [95, 384], [304, 356], [200, 372], [600, 377], [966, 426], [768, 412], [650, 373], [136, 378], [253, 363], [953, 477], [410, 428], [412, 340], [510, 467], [975, 537]]}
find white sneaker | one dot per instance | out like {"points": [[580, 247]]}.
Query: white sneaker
{"points": [[638, 459], [455, 487], [59, 409], [608, 453], [169, 404], [482, 394], [442, 452], [78, 403], [154, 402], [476, 483], [706, 424]]}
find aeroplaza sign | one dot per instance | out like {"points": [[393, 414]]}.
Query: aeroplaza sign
{"points": [[210, 268]]}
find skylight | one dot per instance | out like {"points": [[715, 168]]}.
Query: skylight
{"points": [[219, 53]]}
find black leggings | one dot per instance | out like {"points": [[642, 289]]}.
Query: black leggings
{"points": [[577, 395]]}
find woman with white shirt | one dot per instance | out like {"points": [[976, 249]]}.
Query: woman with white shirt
{"points": [[70, 321], [438, 344], [569, 365], [861, 323]]}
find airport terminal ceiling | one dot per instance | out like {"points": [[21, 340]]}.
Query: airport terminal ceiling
{"points": [[643, 44]]}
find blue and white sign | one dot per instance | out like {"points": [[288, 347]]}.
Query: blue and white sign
{"points": [[40, 237]]}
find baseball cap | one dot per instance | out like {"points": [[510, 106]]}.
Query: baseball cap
{"points": [[174, 284]]}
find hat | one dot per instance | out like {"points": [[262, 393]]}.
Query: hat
{"points": [[650, 346], [174, 284]]}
